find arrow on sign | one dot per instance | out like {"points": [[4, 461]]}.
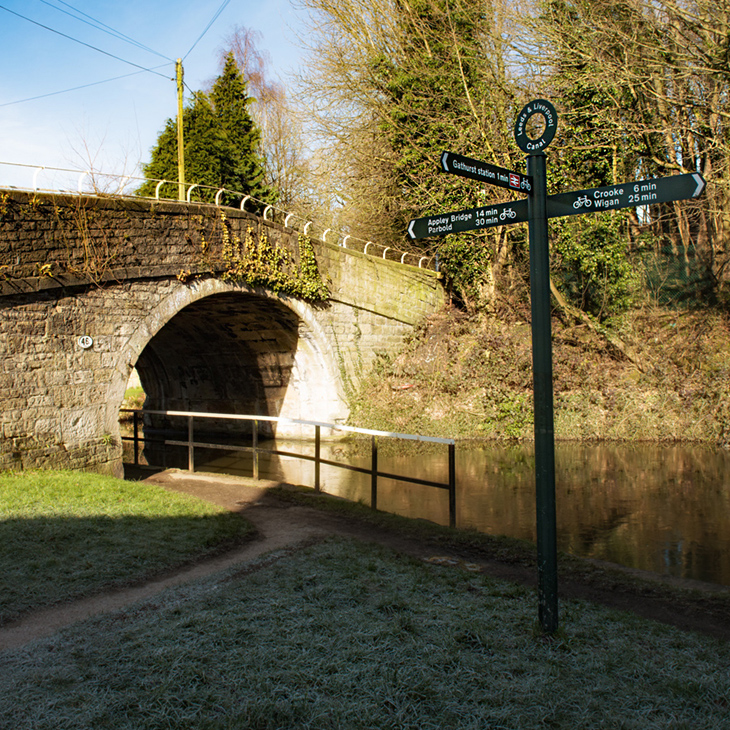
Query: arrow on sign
{"points": [[487, 216], [484, 172], [626, 195], [611, 197]]}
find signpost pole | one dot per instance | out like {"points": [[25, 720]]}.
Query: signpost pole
{"points": [[543, 395], [536, 211]]}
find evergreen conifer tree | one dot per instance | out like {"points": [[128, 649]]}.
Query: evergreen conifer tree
{"points": [[221, 141]]}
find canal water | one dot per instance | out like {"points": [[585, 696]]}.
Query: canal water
{"points": [[661, 508]]}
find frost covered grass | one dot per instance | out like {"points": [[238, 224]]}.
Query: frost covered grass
{"points": [[64, 535], [346, 635]]}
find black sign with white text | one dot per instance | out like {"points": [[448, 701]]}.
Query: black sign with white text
{"points": [[488, 216], [593, 200], [626, 195], [484, 172]]}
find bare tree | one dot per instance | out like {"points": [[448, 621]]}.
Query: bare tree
{"points": [[282, 138], [394, 83], [653, 76]]}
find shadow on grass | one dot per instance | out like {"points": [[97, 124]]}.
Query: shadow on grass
{"points": [[51, 559], [343, 634]]}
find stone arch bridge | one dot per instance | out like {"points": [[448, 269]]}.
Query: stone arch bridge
{"points": [[93, 287]]}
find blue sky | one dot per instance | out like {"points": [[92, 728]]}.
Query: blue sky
{"points": [[113, 125]]}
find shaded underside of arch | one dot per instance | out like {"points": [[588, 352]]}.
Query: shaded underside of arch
{"points": [[238, 353]]}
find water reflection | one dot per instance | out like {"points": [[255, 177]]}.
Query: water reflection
{"points": [[662, 508]]}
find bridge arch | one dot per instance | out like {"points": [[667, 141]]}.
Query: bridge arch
{"points": [[220, 347], [92, 288]]}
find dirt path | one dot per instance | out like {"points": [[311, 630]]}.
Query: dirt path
{"points": [[282, 525]]}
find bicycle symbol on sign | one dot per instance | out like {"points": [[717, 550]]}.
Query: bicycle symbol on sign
{"points": [[507, 213], [582, 200]]}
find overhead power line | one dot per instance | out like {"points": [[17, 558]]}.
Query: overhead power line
{"points": [[76, 40], [78, 88], [103, 27], [207, 27]]}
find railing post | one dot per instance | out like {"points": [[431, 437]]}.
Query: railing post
{"points": [[255, 444], [191, 448], [452, 485], [316, 458], [374, 474], [135, 418]]}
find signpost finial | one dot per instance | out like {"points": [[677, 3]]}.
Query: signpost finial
{"points": [[547, 111]]}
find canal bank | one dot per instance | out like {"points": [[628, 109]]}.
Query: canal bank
{"points": [[660, 508], [654, 375], [689, 605]]}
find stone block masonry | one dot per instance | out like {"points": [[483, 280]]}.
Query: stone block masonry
{"points": [[143, 280]]}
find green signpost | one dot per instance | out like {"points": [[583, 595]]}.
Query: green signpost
{"points": [[536, 210]]}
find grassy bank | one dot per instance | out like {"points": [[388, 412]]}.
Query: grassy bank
{"points": [[708, 605], [344, 635], [659, 375], [64, 535]]}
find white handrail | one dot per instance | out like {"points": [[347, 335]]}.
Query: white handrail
{"points": [[321, 424]]}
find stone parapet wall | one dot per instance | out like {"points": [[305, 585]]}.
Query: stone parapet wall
{"points": [[49, 240]]}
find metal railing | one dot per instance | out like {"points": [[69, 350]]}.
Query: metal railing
{"points": [[256, 450], [97, 183]]}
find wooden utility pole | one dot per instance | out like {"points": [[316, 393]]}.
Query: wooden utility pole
{"points": [[180, 139]]}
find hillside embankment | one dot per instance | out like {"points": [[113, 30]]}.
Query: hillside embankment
{"points": [[656, 375]]}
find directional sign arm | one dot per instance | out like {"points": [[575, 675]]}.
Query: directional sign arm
{"points": [[488, 216], [484, 172], [626, 195]]}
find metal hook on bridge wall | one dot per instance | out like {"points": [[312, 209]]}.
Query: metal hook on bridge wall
{"points": [[125, 180], [35, 178]]}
